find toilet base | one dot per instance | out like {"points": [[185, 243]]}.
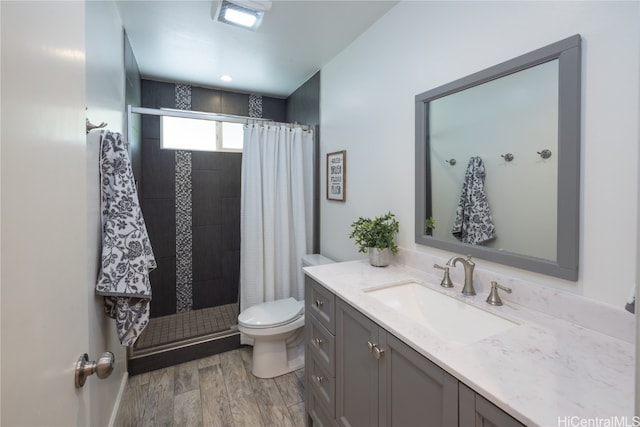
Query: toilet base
{"points": [[269, 360], [275, 356]]}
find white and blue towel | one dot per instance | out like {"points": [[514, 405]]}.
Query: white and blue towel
{"points": [[127, 257], [473, 223]]}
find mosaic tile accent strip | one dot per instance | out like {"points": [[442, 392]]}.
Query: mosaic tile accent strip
{"points": [[183, 97], [255, 106], [184, 216], [184, 238]]}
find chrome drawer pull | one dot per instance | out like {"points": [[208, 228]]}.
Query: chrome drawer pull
{"points": [[377, 351], [319, 379], [319, 303], [318, 341]]}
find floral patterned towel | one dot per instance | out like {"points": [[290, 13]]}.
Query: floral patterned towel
{"points": [[127, 257], [631, 302], [473, 223]]}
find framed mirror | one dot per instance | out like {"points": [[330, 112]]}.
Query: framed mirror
{"points": [[498, 162]]}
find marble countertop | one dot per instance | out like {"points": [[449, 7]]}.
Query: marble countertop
{"points": [[546, 370]]}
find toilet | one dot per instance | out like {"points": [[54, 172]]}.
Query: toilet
{"points": [[276, 328]]}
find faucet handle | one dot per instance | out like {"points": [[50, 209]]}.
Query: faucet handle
{"points": [[446, 279], [494, 298], [470, 260]]}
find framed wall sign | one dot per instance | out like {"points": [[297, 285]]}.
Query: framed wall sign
{"points": [[336, 175]]}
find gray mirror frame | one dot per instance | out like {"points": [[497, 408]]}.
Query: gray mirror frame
{"points": [[568, 53]]}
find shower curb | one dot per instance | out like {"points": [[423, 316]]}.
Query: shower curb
{"points": [[173, 356]]}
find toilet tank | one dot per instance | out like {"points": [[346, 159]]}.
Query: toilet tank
{"points": [[315, 259]]}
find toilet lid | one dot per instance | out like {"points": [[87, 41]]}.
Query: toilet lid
{"points": [[272, 313]]}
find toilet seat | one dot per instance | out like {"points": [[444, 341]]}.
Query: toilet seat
{"points": [[271, 314]]}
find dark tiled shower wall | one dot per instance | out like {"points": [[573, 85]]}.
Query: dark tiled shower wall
{"points": [[303, 106], [215, 201], [216, 228]]}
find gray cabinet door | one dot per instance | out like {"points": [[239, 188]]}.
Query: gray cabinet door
{"points": [[413, 390], [475, 410], [356, 368]]}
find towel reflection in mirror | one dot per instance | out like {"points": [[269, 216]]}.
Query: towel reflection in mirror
{"points": [[473, 223]]}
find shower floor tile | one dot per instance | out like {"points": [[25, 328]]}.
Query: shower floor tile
{"points": [[187, 325]]}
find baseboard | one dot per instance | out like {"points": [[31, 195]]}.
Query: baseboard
{"points": [[116, 405]]}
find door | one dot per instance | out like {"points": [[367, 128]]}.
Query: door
{"points": [[477, 411], [356, 368], [413, 390], [45, 277]]}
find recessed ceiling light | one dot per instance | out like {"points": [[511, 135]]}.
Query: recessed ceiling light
{"points": [[226, 78], [242, 13], [241, 18]]}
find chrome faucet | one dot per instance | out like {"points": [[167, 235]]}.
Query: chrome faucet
{"points": [[446, 280], [468, 273], [494, 298]]}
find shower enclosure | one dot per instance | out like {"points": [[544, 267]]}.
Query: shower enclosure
{"points": [[191, 204]]}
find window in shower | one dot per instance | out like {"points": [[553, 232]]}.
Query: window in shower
{"points": [[180, 133]]}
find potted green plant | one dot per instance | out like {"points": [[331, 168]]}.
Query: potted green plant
{"points": [[429, 225], [376, 237]]}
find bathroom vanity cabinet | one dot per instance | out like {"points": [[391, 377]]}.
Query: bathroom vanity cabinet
{"points": [[319, 354], [359, 374], [380, 381]]}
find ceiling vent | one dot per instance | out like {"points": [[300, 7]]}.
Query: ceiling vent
{"points": [[242, 13]]}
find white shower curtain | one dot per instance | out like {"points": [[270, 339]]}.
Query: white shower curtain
{"points": [[275, 212]]}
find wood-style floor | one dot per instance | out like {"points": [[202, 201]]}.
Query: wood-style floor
{"points": [[218, 390]]}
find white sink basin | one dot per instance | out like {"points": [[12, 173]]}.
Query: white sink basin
{"points": [[444, 315]]}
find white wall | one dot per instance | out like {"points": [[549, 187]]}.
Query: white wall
{"points": [[105, 65], [105, 103], [367, 108]]}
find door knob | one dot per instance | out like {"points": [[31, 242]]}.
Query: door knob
{"points": [[102, 368]]}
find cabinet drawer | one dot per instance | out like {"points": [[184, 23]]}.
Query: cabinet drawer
{"points": [[321, 344], [318, 412], [322, 385], [320, 303]]}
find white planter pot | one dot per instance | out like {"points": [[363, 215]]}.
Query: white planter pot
{"points": [[379, 257]]}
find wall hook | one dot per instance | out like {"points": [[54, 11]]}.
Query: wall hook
{"points": [[507, 157], [452, 162], [91, 126], [545, 154]]}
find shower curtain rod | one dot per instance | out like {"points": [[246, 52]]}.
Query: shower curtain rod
{"points": [[202, 116]]}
